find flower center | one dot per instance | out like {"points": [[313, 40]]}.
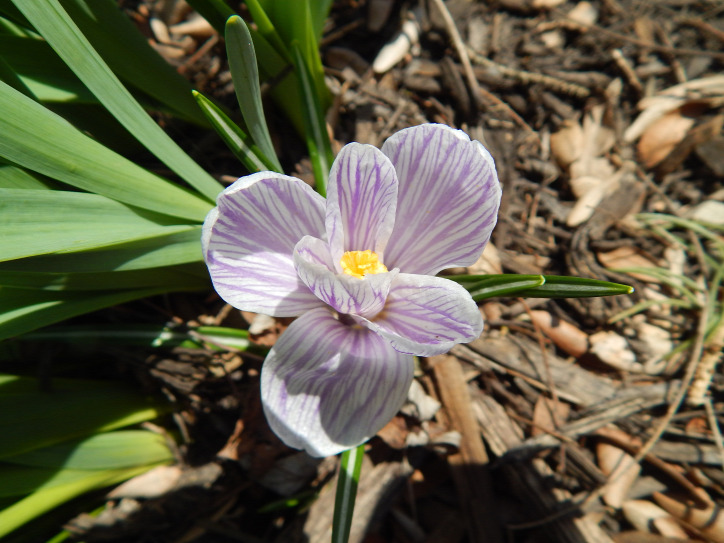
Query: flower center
{"points": [[360, 263]]}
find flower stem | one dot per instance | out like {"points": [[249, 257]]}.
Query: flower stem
{"points": [[349, 471]]}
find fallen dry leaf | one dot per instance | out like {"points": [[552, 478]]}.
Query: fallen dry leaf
{"points": [[621, 469], [662, 136], [709, 521], [565, 335], [644, 516]]}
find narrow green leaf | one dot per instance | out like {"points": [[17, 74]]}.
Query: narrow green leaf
{"points": [[149, 335], [79, 407], [10, 76], [105, 26], [43, 501], [35, 222], [481, 287], [109, 450], [23, 310], [244, 73], [349, 471], [171, 278], [39, 140], [557, 286], [64, 36], [234, 137], [12, 177], [159, 251], [318, 144], [42, 70], [266, 29]]}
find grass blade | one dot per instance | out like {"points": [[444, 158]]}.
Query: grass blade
{"points": [[318, 144], [23, 310], [349, 471], [39, 140], [35, 222], [64, 36], [557, 286], [245, 74], [234, 137]]}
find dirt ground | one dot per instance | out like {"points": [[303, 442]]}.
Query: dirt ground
{"points": [[567, 421]]}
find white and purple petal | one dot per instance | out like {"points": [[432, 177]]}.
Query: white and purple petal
{"points": [[448, 199], [249, 238], [427, 315], [346, 294], [361, 200], [327, 387]]}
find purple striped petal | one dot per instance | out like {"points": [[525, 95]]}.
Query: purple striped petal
{"points": [[249, 239], [327, 387], [346, 294], [361, 200], [448, 201], [427, 315]]}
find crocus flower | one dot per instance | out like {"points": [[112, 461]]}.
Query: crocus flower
{"points": [[358, 270]]}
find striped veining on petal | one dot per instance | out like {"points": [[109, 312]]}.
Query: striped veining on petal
{"points": [[361, 201], [327, 386], [448, 200], [345, 293], [427, 315], [248, 241]]}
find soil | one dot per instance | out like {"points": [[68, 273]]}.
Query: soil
{"points": [[569, 420]]}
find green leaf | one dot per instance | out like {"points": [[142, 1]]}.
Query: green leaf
{"points": [[557, 286], [234, 137], [171, 278], [79, 407], [481, 287], [164, 250], [41, 141], [105, 26], [37, 222], [266, 29], [315, 127], [64, 36], [42, 70], [110, 450], [23, 310], [43, 501], [12, 177], [348, 479], [148, 335], [244, 72]]}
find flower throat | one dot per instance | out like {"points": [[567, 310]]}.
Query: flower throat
{"points": [[361, 263]]}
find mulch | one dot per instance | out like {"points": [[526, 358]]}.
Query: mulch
{"points": [[568, 420]]}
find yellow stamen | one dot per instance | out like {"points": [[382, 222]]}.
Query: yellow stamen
{"points": [[360, 263]]}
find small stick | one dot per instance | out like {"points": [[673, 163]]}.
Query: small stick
{"points": [[524, 77], [627, 70], [454, 34]]}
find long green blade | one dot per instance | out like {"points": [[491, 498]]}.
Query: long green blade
{"points": [[23, 310], [78, 407], [43, 501], [234, 137], [245, 74], [39, 140], [64, 36], [156, 252], [172, 278], [349, 471], [315, 127], [557, 286], [35, 222]]}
